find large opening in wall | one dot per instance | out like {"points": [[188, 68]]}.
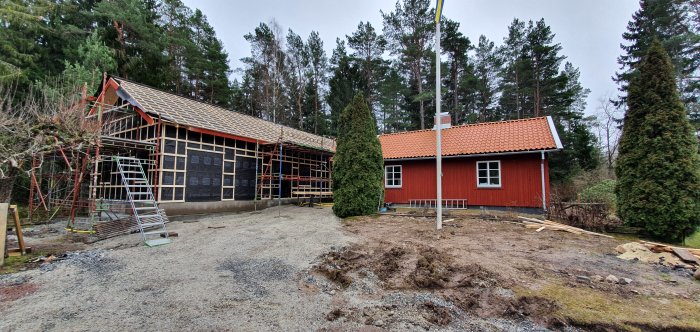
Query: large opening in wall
{"points": [[204, 174]]}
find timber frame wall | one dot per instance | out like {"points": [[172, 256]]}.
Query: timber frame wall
{"points": [[305, 171]]}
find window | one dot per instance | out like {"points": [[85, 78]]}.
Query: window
{"points": [[392, 176], [488, 174]]}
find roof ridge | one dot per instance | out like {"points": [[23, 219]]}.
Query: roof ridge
{"points": [[214, 105], [468, 125]]}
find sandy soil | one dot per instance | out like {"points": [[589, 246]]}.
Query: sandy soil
{"points": [[307, 270]]}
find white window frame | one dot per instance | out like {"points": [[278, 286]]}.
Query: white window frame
{"points": [[386, 178], [488, 175]]}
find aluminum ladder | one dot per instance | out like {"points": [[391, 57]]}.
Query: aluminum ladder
{"points": [[149, 217]]}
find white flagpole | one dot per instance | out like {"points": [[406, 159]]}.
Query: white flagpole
{"points": [[438, 129]]}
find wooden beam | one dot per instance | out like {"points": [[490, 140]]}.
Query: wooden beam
{"points": [[225, 135], [145, 116], [18, 229], [3, 230]]}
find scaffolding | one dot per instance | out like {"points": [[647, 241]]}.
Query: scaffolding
{"points": [[83, 184], [293, 171]]}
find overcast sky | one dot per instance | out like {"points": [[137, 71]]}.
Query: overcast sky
{"points": [[589, 31]]}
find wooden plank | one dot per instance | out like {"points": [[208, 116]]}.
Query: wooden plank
{"points": [[537, 221], [685, 255], [3, 230], [694, 251], [17, 252], [549, 222], [18, 229], [540, 229], [556, 224], [555, 228]]}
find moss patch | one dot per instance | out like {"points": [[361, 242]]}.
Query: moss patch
{"points": [[14, 263], [595, 309]]}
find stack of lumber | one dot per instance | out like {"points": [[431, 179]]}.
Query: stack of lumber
{"points": [[541, 225], [688, 255]]}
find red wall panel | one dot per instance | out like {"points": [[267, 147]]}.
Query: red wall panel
{"points": [[520, 177]]}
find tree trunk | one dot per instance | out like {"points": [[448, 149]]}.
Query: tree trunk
{"points": [[454, 92], [315, 106], [416, 74]]}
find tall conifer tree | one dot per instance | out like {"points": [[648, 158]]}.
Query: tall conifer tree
{"points": [[358, 163], [658, 168]]}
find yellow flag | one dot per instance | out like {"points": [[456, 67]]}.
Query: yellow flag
{"points": [[438, 10]]}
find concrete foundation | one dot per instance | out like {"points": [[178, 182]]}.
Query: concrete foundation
{"points": [[194, 208]]}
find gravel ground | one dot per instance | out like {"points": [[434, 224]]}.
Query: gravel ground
{"points": [[252, 271], [240, 277]]}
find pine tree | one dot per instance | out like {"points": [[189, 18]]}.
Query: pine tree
{"points": [[658, 167], [344, 83], [392, 92], [456, 46], [368, 48], [318, 62], [138, 42], [358, 163], [486, 68], [297, 78], [671, 22], [409, 32], [512, 77], [94, 58]]}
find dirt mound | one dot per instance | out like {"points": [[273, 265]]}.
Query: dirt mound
{"points": [[532, 306], [436, 314], [336, 265], [390, 263], [433, 269]]}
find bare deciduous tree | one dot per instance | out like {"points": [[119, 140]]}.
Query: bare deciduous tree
{"points": [[39, 122], [609, 132]]}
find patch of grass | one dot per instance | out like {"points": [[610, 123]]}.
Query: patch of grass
{"points": [[592, 308], [693, 241], [14, 263]]}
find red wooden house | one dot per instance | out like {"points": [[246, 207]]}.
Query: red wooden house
{"points": [[503, 164]]}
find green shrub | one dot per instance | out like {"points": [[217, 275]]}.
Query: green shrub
{"points": [[358, 166], [602, 192]]}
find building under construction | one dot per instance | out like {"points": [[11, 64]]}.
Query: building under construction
{"points": [[195, 158]]}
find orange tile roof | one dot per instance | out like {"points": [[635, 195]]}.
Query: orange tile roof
{"points": [[533, 134]]}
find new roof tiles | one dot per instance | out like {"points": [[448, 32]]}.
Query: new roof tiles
{"points": [[533, 134], [188, 112]]}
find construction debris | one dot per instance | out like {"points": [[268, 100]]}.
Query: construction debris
{"points": [[551, 225], [656, 253], [637, 251]]}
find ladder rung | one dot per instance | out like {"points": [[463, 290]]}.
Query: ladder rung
{"points": [[151, 224], [135, 179], [143, 201], [138, 186], [146, 208], [150, 216], [131, 172], [155, 232]]}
